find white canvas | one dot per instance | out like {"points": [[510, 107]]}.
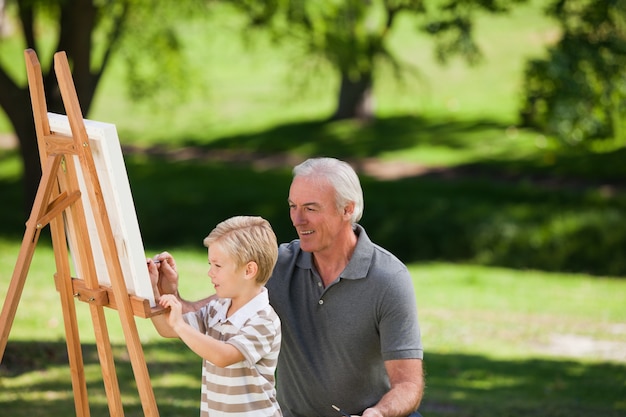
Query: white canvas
{"points": [[109, 161]]}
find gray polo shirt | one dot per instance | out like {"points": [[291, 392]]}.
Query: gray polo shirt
{"points": [[336, 339]]}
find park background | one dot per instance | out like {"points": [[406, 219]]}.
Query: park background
{"points": [[514, 240]]}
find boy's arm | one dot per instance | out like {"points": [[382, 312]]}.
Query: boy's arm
{"points": [[162, 326], [215, 351], [189, 306]]}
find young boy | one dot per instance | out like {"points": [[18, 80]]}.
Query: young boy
{"points": [[237, 333]]}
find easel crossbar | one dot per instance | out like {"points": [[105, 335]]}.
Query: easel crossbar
{"points": [[59, 144], [57, 206], [104, 296]]}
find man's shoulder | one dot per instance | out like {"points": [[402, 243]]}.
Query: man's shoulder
{"points": [[287, 256], [287, 248], [384, 254], [378, 258], [288, 253]]}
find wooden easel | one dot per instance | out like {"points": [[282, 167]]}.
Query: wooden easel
{"points": [[58, 204]]}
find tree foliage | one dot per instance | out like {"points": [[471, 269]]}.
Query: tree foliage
{"points": [[90, 32], [351, 35], [578, 93]]}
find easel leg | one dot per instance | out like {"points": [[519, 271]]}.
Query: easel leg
{"points": [[105, 354], [75, 216], [72, 338], [14, 293], [135, 351], [27, 250]]}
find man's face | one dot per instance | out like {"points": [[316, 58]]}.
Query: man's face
{"points": [[314, 214]]}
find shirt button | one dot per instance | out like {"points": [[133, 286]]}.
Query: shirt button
{"points": [[319, 284], [320, 302]]}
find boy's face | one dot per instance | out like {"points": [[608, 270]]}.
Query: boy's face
{"points": [[226, 276]]}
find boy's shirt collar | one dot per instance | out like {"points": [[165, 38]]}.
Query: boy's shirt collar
{"points": [[242, 315]]}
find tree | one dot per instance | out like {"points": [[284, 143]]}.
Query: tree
{"points": [[90, 32], [351, 35], [578, 93]]}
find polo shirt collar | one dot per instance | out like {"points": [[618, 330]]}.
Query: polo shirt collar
{"points": [[241, 316], [358, 265]]}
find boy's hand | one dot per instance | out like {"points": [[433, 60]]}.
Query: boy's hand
{"points": [[175, 316], [163, 274], [153, 272]]}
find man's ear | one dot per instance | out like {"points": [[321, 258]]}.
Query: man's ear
{"points": [[348, 209], [251, 270]]}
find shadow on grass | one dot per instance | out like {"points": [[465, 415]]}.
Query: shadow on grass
{"points": [[490, 212], [457, 384], [353, 139], [47, 390]]}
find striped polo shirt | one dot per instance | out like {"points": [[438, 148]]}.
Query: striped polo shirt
{"points": [[245, 388]]}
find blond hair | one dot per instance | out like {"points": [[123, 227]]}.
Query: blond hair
{"points": [[246, 239]]}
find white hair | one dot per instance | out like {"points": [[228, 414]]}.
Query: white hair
{"points": [[341, 176]]}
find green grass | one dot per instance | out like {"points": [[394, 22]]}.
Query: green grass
{"points": [[521, 342], [498, 342]]}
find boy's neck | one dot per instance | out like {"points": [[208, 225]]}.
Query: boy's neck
{"points": [[243, 298]]}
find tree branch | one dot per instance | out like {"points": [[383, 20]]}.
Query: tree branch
{"points": [[10, 90], [114, 37], [27, 18]]}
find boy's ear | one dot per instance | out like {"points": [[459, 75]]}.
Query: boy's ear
{"points": [[251, 270]]}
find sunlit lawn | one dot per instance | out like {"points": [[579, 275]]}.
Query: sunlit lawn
{"points": [[497, 341]]}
